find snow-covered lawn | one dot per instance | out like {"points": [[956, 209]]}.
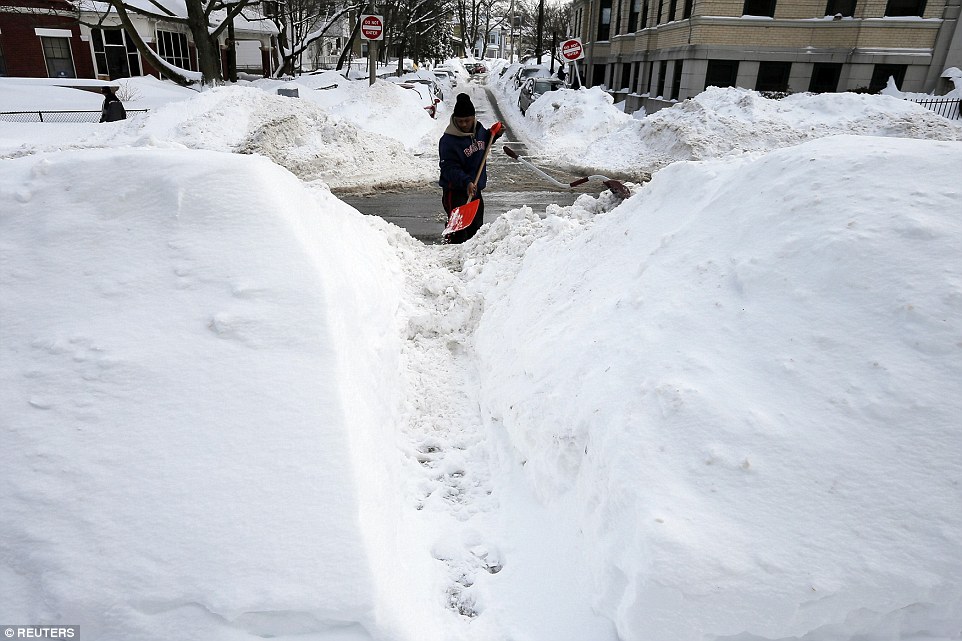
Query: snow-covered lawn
{"points": [[725, 408]]}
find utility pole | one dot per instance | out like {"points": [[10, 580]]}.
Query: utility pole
{"points": [[554, 47], [511, 54], [540, 28]]}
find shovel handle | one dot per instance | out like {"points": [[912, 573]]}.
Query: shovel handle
{"points": [[510, 152], [580, 181]]}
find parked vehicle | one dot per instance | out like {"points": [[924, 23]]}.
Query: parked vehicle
{"points": [[446, 76], [427, 79], [530, 71], [475, 67], [428, 100], [534, 88]]}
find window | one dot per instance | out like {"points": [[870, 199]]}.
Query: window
{"points": [[881, 75], [651, 75], [721, 73], [688, 8], [115, 54], [825, 77], [618, 19], [597, 75], [604, 21], [672, 5], [633, 16], [844, 7], [676, 79], [905, 8], [56, 51], [644, 14], [661, 6], [172, 47], [773, 76], [3, 63], [625, 76], [662, 72], [759, 8]]}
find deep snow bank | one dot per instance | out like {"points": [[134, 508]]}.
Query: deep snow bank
{"points": [[193, 446], [747, 379], [584, 125], [343, 140]]}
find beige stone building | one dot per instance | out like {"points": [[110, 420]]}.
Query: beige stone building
{"points": [[653, 52]]}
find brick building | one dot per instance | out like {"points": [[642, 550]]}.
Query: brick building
{"points": [[652, 52], [50, 39]]}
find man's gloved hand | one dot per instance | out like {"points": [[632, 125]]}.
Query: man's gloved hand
{"points": [[497, 130]]}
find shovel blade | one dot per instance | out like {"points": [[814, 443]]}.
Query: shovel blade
{"points": [[461, 217], [618, 188]]}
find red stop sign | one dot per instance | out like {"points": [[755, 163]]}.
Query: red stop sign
{"points": [[372, 27], [572, 50]]}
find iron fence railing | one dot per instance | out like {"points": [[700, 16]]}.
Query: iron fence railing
{"points": [[948, 107], [56, 116]]}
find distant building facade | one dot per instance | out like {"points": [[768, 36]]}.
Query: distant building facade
{"points": [[46, 38], [655, 52]]}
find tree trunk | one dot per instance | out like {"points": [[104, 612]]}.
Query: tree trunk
{"points": [[208, 49], [231, 53]]}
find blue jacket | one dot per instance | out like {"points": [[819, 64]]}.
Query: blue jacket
{"points": [[461, 155]]}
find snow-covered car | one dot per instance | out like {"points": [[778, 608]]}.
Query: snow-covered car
{"points": [[529, 71], [534, 88], [446, 75], [427, 79], [428, 100]]}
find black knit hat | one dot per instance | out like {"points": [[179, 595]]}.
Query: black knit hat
{"points": [[463, 107]]}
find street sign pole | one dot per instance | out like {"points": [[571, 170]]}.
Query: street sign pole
{"points": [[372, 30], [372, 54]]}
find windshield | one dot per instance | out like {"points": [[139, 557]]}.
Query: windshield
{"points": [[541, 86]]}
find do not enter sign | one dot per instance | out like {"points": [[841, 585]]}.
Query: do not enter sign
{"points": [[372, 27], [572, 50]]}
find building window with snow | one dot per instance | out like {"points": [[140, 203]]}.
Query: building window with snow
{"points": [[905, 8], [633, 16], [604, 21], [773, 76], [881, 75], [825, 77], [172, 47], [759, 8], [721, 73], [56, 51], [844, 8]]}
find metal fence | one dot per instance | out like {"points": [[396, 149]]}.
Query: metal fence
{"points": [[56, 116], [948, 107]]}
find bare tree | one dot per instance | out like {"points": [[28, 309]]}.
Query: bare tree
{"points": [[301, 23]]}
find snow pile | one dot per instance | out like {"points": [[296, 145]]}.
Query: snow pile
{"points": [[193, 446], [309, 140], [742, 385], [588, 130], [378, 108]]}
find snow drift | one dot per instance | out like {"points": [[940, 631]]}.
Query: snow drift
{"points": [[745, 384], [191, 444]]}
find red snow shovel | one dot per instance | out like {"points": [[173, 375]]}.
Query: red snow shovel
{"points": [[462, 217]]}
